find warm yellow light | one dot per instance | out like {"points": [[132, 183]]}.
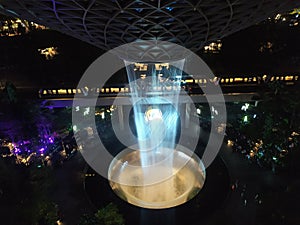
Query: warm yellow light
{"points": [[62, 91], [295, 11], [238, 79], [230, 143], [49, 52], [152, 114]]}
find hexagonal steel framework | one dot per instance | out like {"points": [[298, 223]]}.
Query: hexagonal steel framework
{"points": [[110, 23]]}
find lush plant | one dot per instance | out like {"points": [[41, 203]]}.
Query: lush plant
{"points": [[109, 215]]}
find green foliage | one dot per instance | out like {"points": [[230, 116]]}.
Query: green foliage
{"points": [[61, 118], [24, 191], [87, 219], [9, 94], [37, 207], [277, 118], [47, 213], [109, 215], [40, 180], [10, 179]]}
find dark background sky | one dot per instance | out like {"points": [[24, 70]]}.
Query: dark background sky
{"points": [[21, 63]]}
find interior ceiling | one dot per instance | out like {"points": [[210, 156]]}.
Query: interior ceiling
{"points": [[110, 23]]}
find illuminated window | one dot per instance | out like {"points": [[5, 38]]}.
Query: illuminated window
{"points": [[114, 89], [213, 47], [237, 79], [264, 77], [62, 91], [49, 52], [266, 47], [277, 17], [141, 66]]}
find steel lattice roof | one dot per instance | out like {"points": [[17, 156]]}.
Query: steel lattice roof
{"points": [[110, 23]]}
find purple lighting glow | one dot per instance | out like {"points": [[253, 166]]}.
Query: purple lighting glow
{"points": [[17, 150], [51, 140]]}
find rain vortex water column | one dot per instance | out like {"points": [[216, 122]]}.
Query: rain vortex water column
{"points": [[156, 172]]}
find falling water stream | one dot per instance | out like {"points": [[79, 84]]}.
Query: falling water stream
{"points": [[156, 172], [156, 122]]}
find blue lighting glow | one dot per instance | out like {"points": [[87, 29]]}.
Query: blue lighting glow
{"points": [[139, 10], [155, 118], [169, 8]]}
